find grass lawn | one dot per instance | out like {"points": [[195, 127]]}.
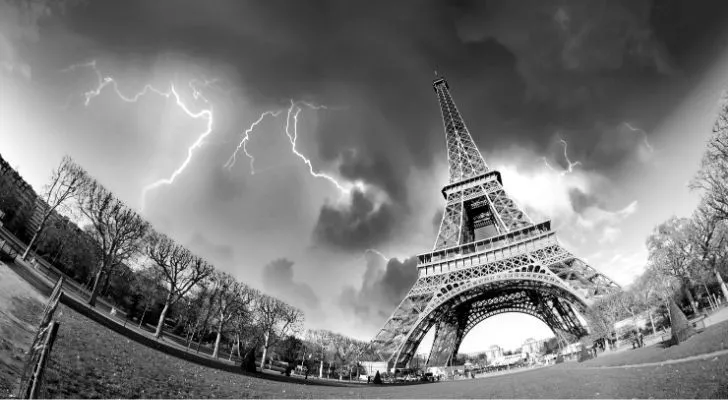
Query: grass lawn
{"points": [[713, 338], [20, 309], [89, 360]]}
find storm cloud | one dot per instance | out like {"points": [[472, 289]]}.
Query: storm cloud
{"points": [[521, 71], [278, 281], [604, 76], [386, 282]]}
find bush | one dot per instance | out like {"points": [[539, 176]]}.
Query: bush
{"points": [[377, 378]]}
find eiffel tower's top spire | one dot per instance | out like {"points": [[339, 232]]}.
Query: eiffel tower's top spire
{"points": [[462, 153]]}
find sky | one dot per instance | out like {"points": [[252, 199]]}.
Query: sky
{"points": [[596, 113]]}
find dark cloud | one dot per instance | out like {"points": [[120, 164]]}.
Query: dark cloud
{"points": [[588, 66], [356, 226], [278, 281], [385, 285], [519, 71], [619, 146]]}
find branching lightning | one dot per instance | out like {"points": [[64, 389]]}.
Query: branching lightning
{"points": [[291, 130], [644, 137], [571, 165], [294, 136], [246, 137], [566, 157], [205, 113]]}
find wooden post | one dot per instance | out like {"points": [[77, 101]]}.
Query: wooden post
{"points": [[37, 376]]}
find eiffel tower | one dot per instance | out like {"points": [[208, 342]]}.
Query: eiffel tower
{"points": [[489, 258]]}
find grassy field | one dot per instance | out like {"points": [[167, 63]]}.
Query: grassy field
{"points": [[20, 307], [714, 338], [89, 360]]}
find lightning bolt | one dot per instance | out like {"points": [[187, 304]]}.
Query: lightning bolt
{"points": [[291, 130], [205, 113], [566, 157], [633, 129], [246, 137], [571, 165], [294, 136]]}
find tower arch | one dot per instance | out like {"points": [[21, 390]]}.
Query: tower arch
{"points": [[452, 317]]}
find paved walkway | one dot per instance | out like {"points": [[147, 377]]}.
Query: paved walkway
{"points": [[705, 356], [720, 316]]}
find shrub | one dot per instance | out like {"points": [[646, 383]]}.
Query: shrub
{"points": [[377, 378]]}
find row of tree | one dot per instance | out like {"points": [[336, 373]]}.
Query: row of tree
{"points": [[341, 353], [168, 279], [688, 257]]}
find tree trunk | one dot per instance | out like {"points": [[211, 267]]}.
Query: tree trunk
{"points": [[321, 368], [160, 323], [192, 338], [141, 320], [35, 236], [707, 291], [723, 287], [107, 283], [652, 321], [265, 352], [95, 289], [237, 346], [203, 330], [689, 295], [90, 279], [217, 339]]}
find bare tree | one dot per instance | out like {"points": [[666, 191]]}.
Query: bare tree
{"points": [[277, 319], [232, 294], [147, 282], [708, 233], [181, 269], [118, 230], [713, 174], [672, 252], [202, 308], [604, 313], [66, 183], [248, 332], [320, 339], [650, 290]]}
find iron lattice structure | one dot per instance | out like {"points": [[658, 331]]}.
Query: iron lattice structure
{"points": [[489, 258]]}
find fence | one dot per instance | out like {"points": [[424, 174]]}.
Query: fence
{"points": [[32, 378]]}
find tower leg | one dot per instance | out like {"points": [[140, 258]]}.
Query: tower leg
{"points": [[446, 343], [567, 314]]}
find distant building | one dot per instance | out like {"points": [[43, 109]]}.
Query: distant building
{"points": [[493, 353], [532, 346]]}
